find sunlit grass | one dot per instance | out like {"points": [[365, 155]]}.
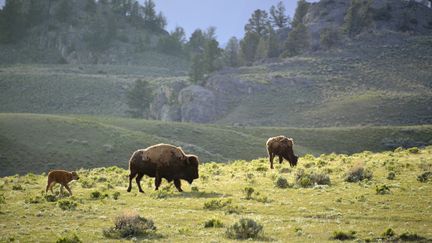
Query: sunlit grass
{"points": [[291, 214]]}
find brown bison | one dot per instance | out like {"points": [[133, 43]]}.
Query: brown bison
{"points": [[282, 147], [163, 161], [62, 177]]}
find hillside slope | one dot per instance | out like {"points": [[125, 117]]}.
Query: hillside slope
{"points": [[37, 143], [379, 209]]}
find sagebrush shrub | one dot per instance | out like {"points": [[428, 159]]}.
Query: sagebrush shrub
{"points": [[383, 189], [409, 236], [391, 175], [388, 233], [17, 187], [248, 191], [116, 195], [34, 200], [213, 223], [281, 182], [307, 180], [215, 204], [414, 150], [244, 229], [66, 204], [130, 225], [341, 235], [73, 238], [424, 177], [358, 173], [50, 198]]}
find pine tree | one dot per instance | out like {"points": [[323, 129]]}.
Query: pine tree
{"points": [[196, 41], [231, 52], [273, 44], [139, 98], [64, 12], [258, 23], [197, 72], [12, 21], [248, 47], [300, 13], [277, 16], [298, 37]]}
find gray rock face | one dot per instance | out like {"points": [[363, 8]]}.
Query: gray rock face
{"points": [[197, 104], [164, 105]]}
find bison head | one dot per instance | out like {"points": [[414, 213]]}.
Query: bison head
{"points": [[191, 168], [74, 175], [292, 158]]}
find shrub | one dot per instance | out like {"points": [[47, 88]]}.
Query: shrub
{"points": [[384, 189], [87, 184], [358, 173], [281, 182], [2, 199], [17, 187], [116, 195], [69, 239], [248, 191], [97, 195], [388, 233], [50, 198], [66, 204], [340, 235], [320, 179], [244, 229], [130, 225], [213, 223], [307, 180], [424, 177], [414, 150], [215, 204], [409, 236], [391, 175], [34, 200], [232, 209]]}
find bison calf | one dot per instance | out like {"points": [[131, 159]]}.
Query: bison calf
{"points": [[282, 147], [163, 161], [62, 177]]}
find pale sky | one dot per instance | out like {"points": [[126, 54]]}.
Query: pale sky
{"points": [[228, 16]]}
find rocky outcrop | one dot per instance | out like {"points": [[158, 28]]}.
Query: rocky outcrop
{"points": [[197, 104], [165, 104]]}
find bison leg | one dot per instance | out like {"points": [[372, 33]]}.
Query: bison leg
{"points": [[67, 188], [280, 159], [158, 181], [271, 160], [131, 176], [177, 184], [48, 186], [138, 180]]}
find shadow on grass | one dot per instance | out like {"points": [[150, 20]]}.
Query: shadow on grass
{"points": [[200, 195]]}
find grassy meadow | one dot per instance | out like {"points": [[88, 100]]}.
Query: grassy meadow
{"points": [[312, 202], [38, 143]]}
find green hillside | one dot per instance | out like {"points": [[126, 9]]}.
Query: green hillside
{"points": [[379, 79], [38, 143], [79, 89], [392, 205]]}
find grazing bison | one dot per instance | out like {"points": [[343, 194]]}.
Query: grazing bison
{"points": [[62, 177], [283, 147], [163, 161]]}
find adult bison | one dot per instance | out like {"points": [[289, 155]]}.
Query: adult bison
{"points": [[282, 147], [163, 161]]}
